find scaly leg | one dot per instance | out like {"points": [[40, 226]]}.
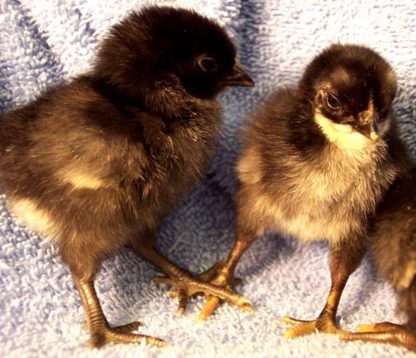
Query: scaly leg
{"points": [[101, 332], [344, 259]]}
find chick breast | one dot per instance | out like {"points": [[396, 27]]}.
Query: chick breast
{"points": [[324, 198]]}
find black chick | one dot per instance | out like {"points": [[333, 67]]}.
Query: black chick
{"points": [[393, 243], [96, 164], [316, 161]]}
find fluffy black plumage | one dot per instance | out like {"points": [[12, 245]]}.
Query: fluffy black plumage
{"points": [[393, 244], [174, 56], [97, 163], [316, 161]]}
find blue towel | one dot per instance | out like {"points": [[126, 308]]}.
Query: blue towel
{"points": [[45, 42]]}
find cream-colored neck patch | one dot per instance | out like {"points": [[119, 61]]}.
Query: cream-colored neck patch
{"points": [[343, 135]]}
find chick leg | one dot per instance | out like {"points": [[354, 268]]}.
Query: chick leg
{"points": [[185, 284], [385, 332], [344, 259], [100, 330], [222, 275]]}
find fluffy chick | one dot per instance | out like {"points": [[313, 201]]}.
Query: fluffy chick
{"points": [[393, 244], [316, 161], [97, 163]]}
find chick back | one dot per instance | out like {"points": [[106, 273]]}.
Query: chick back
{"points": [[85, 168]]}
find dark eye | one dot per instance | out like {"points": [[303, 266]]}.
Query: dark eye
{"points": [[207, 64], [332, 102]]}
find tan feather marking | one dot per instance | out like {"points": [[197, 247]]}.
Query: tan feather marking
{"points": [[248, 167], [34, 218], [407, 277], [80, 180]]}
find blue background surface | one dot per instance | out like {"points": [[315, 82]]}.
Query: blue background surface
{"points": [[45, 42]]}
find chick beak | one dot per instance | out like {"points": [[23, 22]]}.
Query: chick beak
{"points": [[368, 127], [238, 77]]}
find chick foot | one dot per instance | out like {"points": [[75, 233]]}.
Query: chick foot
{"points": [[100, 331], [323, 324], [218, 275], [186, 286], [384, 332]]}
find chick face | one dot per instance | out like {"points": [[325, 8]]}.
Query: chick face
{"points": [[160, 42], [351, 89], [199, 53]]}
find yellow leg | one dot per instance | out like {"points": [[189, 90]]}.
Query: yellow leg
{"points": [[344, 259], [325, 322]]}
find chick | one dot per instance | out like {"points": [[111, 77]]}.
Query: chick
{"points": [[97, 163], [393, 244], [316, 161]]}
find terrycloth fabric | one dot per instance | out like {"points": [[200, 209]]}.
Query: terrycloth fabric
{"points": [[44, 42]]}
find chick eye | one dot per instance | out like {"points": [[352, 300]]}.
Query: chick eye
{"points": [[207, 64], [332, 101]]}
